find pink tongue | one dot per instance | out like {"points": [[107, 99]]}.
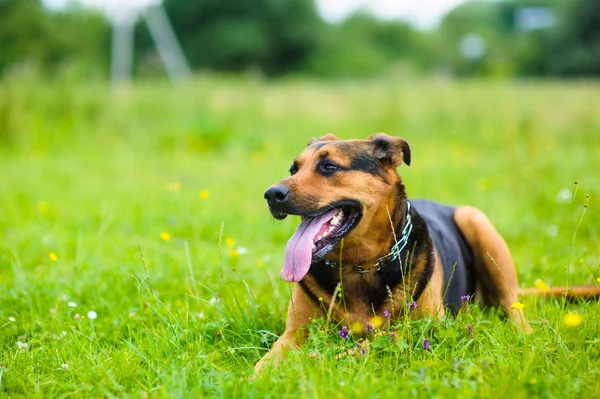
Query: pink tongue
{"points": [[298, 251]]}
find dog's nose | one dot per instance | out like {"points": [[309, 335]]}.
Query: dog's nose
{"points": [[277, 194]]}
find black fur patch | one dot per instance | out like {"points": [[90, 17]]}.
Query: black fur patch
{"points": [[325, 276], [364, 162], [360, 160], [308, 292]]}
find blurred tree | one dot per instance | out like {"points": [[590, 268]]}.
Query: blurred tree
{"points": [[364, 45], [573, 49], [23, 33], [508, 49], [275, 36], [29, 34], [570, 46]]}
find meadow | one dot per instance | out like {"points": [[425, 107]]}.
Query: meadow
{"points": [[138, 257]]}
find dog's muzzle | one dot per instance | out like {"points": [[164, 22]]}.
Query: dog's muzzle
{"points": [[278, 197]]}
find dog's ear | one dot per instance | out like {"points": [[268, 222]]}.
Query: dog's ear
{"points": [[327, 137], [391, 151]]}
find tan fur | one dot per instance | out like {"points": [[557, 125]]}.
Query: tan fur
{"points": [[300, 311], [496, 273], [431, 302]]}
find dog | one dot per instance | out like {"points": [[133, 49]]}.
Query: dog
{"points": [[363, 249]]}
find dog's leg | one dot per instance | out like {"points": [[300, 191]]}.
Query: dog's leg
{"points": [[300, 310], [496, 273], [431, 302]]}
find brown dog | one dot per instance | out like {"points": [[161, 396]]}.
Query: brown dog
{"points": [[363, 249]]}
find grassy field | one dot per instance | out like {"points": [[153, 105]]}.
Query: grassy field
{"points": [[138, 258]]}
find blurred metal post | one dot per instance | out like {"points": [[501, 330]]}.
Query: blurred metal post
{"points": [[166, 43], [122, 51]]}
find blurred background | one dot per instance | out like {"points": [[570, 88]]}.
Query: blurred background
{"points": [[318, 38], [127, 123]]}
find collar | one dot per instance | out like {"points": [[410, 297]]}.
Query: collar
{"points": [[395, 251]]}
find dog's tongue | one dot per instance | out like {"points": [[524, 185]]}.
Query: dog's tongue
{"points": [[298, 251]]}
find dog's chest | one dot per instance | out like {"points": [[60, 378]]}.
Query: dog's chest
{"points": [[358, 296]]}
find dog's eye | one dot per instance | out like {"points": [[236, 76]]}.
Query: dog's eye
{"points": [[328, 168], [293, 169]]}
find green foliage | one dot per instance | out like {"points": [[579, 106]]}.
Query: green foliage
{"points": [[569, 48], [573, 49], [363, 45], [272, 36], [275, 37], [87, 174], [51, 42]]}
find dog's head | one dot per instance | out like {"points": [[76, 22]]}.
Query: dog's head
{"points": [[341, 189]]}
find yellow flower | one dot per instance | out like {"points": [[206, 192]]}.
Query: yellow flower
{"points": [[165, 236], [42, 207], [204, 194], [517, 305], [581, 260], [598, 279], [377, 321], [261, 263], [541, 285], [174, 186], [234, 253], [53, 257], [357, 328], [573, 319], [229, 242]]}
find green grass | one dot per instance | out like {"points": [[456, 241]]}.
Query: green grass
{"points": [[84, 175]]}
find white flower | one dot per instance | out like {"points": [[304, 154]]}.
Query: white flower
{"points": [[22, 345], [201, 315], [64, 333], [213, 300], [12, 319], [92, 315], [564, 196], [72, 304], [65, 366], [242, 250]]}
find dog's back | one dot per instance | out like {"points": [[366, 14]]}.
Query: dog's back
{"points": [[452, 248]]}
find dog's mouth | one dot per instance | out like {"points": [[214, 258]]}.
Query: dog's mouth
{"points": [[319, 232], [338, 227]]}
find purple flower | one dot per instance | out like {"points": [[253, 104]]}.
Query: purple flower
{"points": [[343, 332], [465, 303], [363, 351], [411, 306], [386, 314], [426, 344], [370, 327]]}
